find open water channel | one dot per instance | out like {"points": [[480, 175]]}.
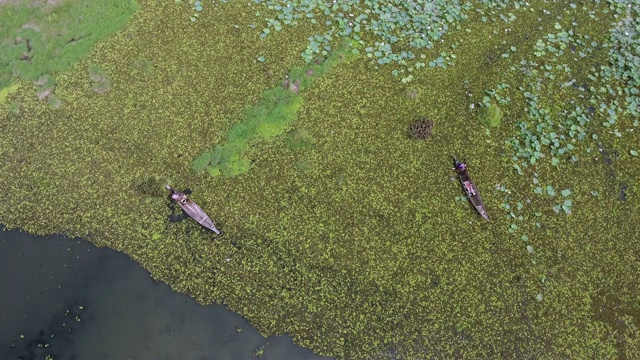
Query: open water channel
{"points": [[68, 299]]}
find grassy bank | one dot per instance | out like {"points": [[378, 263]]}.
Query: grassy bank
{"points": [[38, 38]]}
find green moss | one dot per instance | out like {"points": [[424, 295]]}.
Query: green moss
{"points": [[14, 108], [205, 159], [303, 165], [271, 117], [491, 116], [279, 118], [4, 92]]}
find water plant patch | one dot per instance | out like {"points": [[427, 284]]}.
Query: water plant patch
{"points": [[399, 33], [271, 117]]}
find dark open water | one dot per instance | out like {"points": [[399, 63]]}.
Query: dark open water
{"points": [[69, 299]]}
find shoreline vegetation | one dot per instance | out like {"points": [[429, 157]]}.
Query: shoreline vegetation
{"points": [[347, 234], [41, 38]]}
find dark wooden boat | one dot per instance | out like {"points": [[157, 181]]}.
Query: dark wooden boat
{"points": [[470, 188], [192, 209]]}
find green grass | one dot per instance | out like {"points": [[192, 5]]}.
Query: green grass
{"points": [[42, 39]]}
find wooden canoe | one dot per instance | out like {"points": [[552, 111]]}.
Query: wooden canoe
{"points": [[192, 209], [470, 188]]}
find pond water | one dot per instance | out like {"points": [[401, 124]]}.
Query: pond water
{"points": [[71, 300]]}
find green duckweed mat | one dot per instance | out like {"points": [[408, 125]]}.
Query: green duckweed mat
{"points": [[342, 231]]}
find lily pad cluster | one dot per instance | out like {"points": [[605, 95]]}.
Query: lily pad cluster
{"points": [[623, 73], [389, 31], [594, 73], [416, 23], [605, 90], [395, 32], [553, 128]]}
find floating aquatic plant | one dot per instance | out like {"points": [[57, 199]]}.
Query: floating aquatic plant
{"points": [[100, 82], [390, 32], [491, 116], [420, 129], [561, 52], [271, 117]]}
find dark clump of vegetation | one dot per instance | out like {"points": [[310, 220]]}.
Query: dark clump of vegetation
{"points": [[420, 129], [151, 186]]}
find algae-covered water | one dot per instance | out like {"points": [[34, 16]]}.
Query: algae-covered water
{"points": [[290, 125], [68, 299]]}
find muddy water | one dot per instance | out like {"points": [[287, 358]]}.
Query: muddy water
{"points": [[68, 299]]}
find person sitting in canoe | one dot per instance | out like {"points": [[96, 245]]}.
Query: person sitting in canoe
{"points": [[468, 187], [179, 197]]}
